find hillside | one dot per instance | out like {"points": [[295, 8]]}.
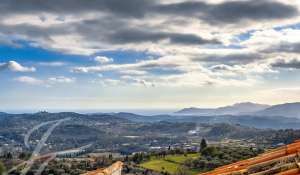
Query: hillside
{"points": [[109, 131], [235, 109], [127, 135], [170, 163], [289, 110], [285, 110]]}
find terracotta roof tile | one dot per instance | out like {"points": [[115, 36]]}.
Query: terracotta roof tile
{"points": [[284, 161]]}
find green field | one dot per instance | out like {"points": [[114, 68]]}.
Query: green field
{"points": [[170, 163]]}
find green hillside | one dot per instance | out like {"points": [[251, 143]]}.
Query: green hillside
{"points": [[170, 163]]}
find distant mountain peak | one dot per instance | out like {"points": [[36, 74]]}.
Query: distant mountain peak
{"points": [[247, 103], [235, 109], [284, 110]]}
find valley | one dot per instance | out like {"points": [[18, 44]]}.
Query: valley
{"points": [[159, 143]]}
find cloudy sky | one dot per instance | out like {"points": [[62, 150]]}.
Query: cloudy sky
{"points": [[148, 54]]}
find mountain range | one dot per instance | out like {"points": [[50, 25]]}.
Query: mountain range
{"points": [[285, 110], [291, 110], [281, 116]]}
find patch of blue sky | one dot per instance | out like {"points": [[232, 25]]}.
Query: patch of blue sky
{"points": [[292, 26], [232, 46], [108, 74], [244, 36], [28, 53], [158, 71]]}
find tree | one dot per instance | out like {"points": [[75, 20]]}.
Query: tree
{"points": [[24, 156], [2, 168], [110, 156], [203, 144], [8, 155], [126, 159], [138, 157], [209, 151]]}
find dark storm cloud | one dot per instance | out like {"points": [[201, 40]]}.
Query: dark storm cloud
{"points": [[294, 64], [139, 36], [134, 8], [189, 39], [32, 32], [221, 67], [117, 26], [231, 12], [118, 31], [226, 12], [231, 59], [183, 8], [284, 47], [236, 11], [104, 30]]}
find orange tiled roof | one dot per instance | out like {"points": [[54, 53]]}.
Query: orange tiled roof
{"points": [[114, 169], [282, 161]]}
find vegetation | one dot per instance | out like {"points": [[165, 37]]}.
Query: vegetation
{"points": [[192, 163], [182, 171], [285, 136], [203, 144], [160, 165], [180, 159], [2, 168], [127, 137], [172, 164], [213, 157]]}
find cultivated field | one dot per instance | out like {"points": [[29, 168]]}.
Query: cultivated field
{"points": [[170, 163]]}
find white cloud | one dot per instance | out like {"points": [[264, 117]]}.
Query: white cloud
{"points": [[133, 72], [16, 67], [180, 71], [103, 60], [48, 82], [29, 80], [199, 79], [88, 29], [270, 38], [243, 70], [60, 79], [165, 63], [107, 82], [179, 65], [136, 81], [52, 64]]}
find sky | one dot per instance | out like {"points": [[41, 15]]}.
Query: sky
{"points": [[147, 54]]}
